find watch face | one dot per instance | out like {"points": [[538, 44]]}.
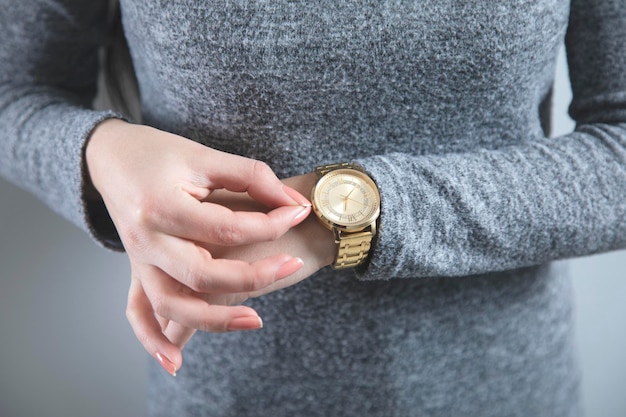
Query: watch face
{"points": [[346, 198]]}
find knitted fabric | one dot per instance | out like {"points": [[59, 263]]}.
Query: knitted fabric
{"points": [[444, 103]]}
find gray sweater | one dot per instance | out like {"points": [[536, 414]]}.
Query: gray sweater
{"points": [[445, 103]]}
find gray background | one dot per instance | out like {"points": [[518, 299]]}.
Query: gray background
{"points": [[66, 349]]}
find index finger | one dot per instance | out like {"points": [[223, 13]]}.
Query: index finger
{"points": [[241, 174], [207, 222]]}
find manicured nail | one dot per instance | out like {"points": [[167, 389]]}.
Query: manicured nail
{"points": [[300, 213], [299, 199], [289, 267], [245, 323], [166, 364]]}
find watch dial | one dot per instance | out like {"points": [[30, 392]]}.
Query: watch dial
{"points": [[347, 198]]}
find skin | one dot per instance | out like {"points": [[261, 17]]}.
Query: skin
{"points": [[203, 230]]}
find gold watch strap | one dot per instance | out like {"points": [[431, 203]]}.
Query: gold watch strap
{"points": [[325, 169], [353, 247]]}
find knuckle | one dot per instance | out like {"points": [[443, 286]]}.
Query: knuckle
{"points": [[206, 327], [209, 326], [161, 306], [131, 314], [148, 212], [253, 281], [229, 234], [249, 284], [274, 233], [258, 281], [136, 228], [193, 278], [143, 338], [133, 318], [134, 239], [260, 168]]}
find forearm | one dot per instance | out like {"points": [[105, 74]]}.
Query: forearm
{"points": [[42, 148], [491, 210], [48, 71]]}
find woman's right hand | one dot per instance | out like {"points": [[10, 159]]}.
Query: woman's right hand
{"points": [[155, 186]]}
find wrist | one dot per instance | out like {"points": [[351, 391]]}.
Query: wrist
{"points": [[97, 146], [346, 200], [319, 239]]}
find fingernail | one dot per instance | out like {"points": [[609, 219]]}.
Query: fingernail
{"points": [[166, 364], [245, 323], [289, 267], [300, 214], [299, 199]]}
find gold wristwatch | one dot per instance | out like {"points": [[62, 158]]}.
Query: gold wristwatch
{"points": [[346, 200]]}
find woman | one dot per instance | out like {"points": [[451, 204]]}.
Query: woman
{"points": [[454, 309]]}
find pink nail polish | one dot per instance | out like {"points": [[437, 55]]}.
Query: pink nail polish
{"points": [[166, 364], [300, 215], [296, 196], [245, 323], [289, 267]]}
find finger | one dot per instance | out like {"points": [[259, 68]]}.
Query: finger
{"points": [[171, 300], [178, 334], [213, 223], [237, 173], [227, 299], [193, 266], [148, 330], [162, 322]]}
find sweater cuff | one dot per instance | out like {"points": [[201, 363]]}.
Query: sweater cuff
{"points": [[397, 222], [93, 215]]}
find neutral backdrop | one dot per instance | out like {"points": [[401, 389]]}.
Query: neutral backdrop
{"points": [[66, 349]]}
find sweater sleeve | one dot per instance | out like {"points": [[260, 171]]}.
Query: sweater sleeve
{"points": [[541, 200], [48, 79]]}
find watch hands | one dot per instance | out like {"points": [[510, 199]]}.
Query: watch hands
{"points": [[356, 201], [348, 195], [351, 191], [346, 198]]}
